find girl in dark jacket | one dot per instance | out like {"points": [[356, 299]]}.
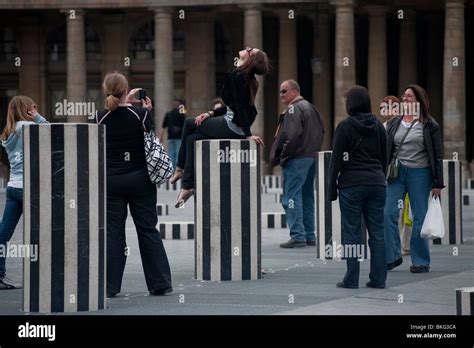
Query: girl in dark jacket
{"points": [[357, 170], [232, 121], [420, 156]]}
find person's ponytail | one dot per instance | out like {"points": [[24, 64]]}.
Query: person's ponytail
{"points": [[115, 85], [111, 102]]}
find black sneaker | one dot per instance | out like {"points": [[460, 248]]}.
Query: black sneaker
{"points": [[342, 285], [292, 244], [311, 243], [419, 269], [372, 285], [7, 284], [394, 264], [161, 292]]}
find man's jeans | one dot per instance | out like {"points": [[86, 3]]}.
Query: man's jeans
{"points": [[298, 198], [11, 216], [366, 200], [173, 150], [417, 182]]}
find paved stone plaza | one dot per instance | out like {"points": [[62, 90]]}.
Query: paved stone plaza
{"points": [[296, 282]]}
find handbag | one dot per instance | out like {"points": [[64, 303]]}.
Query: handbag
{"points": [[393, 168], [159, 165]]}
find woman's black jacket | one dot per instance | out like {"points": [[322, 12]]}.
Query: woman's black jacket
{"points": [[433, 144]]}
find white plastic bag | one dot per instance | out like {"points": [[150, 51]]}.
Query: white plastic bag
{"points": [[433, 226]]}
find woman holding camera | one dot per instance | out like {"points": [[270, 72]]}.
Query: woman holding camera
{"points": [[128, 184]]}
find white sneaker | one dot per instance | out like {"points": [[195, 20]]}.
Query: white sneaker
{"points": [[7, 284]]}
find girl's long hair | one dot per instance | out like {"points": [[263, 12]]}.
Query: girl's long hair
{"points": [[17, 111], [257, 64]]}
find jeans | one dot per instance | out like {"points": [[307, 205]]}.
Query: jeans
{"points": [[211, 128], [366, 200], [298, 198], [11, 216], [173, 149], [136, 190], [417, 182]]}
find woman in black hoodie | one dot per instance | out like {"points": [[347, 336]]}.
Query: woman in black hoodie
{"points": [[357, 170], [232, 121]]}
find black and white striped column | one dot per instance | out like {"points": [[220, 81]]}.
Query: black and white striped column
{"points": [[272, 181], [176, 230], [64, 215], [167, 186], [465, 301], [278, 197], [451, 203], [273, 220], [328, 215], [468, 198], [227, 210], [470, 184], [162, 209]]}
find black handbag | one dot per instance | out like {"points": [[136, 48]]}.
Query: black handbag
{"points": [[394, 165]]}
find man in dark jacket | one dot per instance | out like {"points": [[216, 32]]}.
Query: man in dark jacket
{"points": [[174, 121], [297, 140]]}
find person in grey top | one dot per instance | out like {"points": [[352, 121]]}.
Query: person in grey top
{"points": [[420, 156], [412, 153]]}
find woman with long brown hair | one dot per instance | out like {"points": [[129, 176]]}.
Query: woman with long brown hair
{"points": [[232, 121], [414, 143], [22, 110]]}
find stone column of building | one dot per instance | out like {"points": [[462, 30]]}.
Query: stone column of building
{"points": [[407, 51], [43, 59], [253, 38], [164, 69], [114, 51], [434, 61], [76, 61], [30, 59], [454, 83], [322, 78], [200, 62], [344, 63], [287, 51], [377, 64]]}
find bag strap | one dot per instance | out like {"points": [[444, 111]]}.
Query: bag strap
{"points": [[358, 142], [404, 137], [139, 119]]}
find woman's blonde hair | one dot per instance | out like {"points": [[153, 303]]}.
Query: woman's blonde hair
{"points": [[115, 85], [17, 111]]}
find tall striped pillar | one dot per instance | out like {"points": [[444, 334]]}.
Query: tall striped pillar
{"points": [[227, 210], [465, 301], [451, 203], [328, 215], [64, 217]]}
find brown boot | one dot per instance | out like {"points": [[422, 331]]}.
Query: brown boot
{"points": [[177, 175], [183, 196]]}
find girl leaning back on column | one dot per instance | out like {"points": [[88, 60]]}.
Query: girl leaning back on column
{"points": [[22, 110], [232, 121], [420, 155]]}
